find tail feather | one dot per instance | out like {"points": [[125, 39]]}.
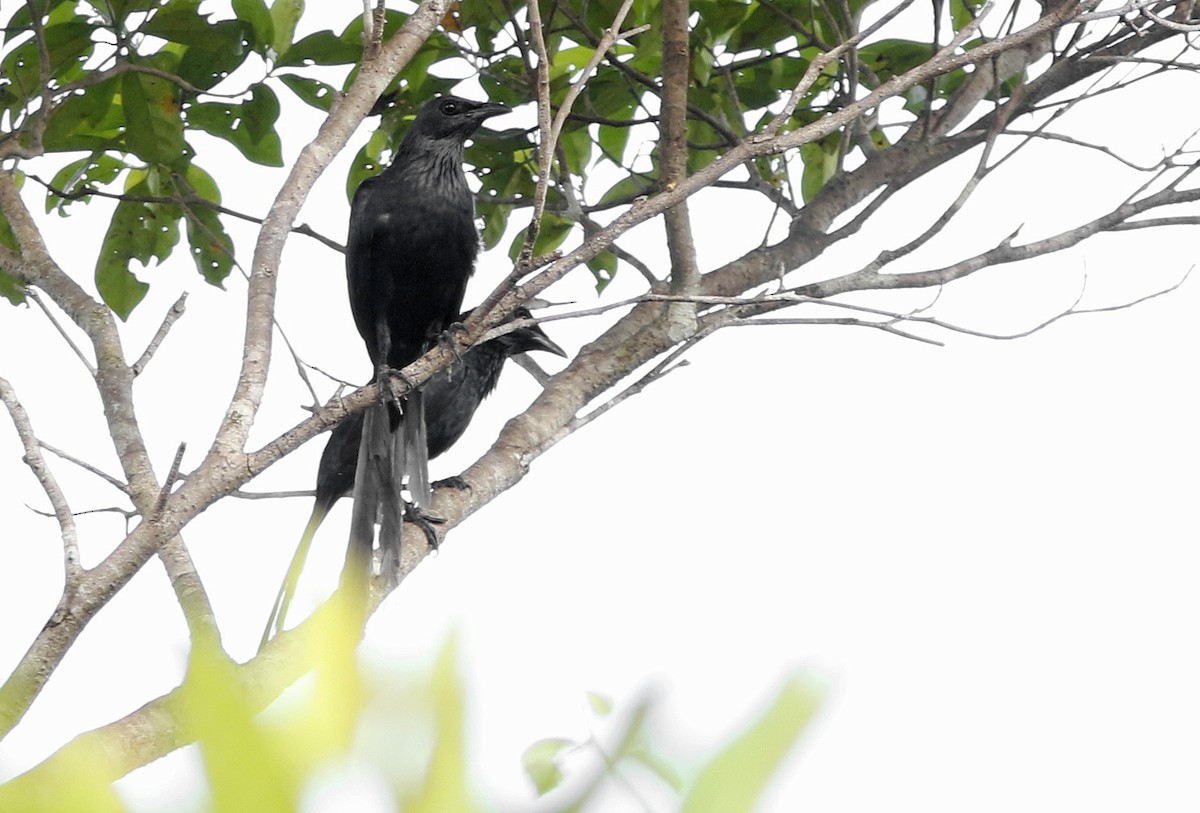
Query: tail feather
{"points": [[287, 590], [376, 488], [416, 449]]}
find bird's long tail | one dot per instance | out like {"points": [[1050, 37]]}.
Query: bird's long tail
{"points": [[410, 458], [287, 590], [376, 492]]}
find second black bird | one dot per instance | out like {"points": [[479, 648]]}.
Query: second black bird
{"points": [[451, 398]]}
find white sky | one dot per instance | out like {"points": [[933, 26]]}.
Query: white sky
{"points": [[987, 551]]}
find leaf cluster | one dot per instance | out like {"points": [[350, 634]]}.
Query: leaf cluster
{"points": [[130, 85]]}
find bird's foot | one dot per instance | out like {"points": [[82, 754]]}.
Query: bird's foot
{"points": [[416, 515], [457, 483], [447, 339]]}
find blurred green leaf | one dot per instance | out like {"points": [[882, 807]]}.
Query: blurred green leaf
{"points": [[447, 785], [599, 704], [540, 761], [244, 771], [734, 780]]}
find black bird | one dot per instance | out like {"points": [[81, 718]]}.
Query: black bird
{"points": [[410, 250], [451, 398]]}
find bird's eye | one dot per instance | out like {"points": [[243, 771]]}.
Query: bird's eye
{"points": [[449, 107]]}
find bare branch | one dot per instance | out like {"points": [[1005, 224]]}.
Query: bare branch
{"points": [[105, 476], [676, 69], [37, 299], [37, 464], [173, 314]]}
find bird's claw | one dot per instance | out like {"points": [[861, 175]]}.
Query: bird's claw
{"points": [[456, 482], [447, 339], [414, 514]]}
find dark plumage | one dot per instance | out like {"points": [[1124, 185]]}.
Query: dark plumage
{"points": [[411, 248], [451, 399]]}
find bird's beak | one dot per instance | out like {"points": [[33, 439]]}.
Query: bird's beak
{"points": [[538, 340], [487, 110]]}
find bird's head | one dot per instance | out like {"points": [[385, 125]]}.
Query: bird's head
{"points": [[525, 339], [452, 118]]}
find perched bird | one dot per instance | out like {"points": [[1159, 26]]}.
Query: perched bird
{"points": [[451, 398], [411, 248]]}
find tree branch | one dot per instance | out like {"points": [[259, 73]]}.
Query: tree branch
{"points": [[58, 501]]}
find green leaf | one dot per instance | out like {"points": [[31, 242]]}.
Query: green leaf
{"points": [[219, 53], [87, 121], [154, 129], [321, 48], [626, 189], [553, 231], [96, 170], [604, 268], [138, 231], [963, 12], [258, 17], [10, 287], [178, 21], [820, 164], [212, 250], [199, 182], [231, 123], [892, 57], [118, 287], [495, 219], [260, 113], [540, 761], [733, 781], [577, 147], [311, 91], [284, 16]]}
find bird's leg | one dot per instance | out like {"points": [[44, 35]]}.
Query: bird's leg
{"points": [[413, 513], [383, 372], [447, 339]]}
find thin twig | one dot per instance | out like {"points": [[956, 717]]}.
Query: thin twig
{"points": [[83, 464], [33, 294], [169, 483], [270, 495], [37, 464], [173, 314]]}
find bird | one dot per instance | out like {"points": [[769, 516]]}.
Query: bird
{"points": [[410, 250], [451, 398]]}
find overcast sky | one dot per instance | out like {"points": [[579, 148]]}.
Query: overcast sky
{"points": [[987, 551]]}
